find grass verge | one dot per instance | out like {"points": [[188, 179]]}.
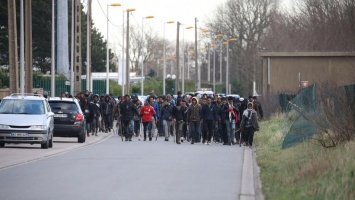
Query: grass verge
{"points": [[305, 171]]}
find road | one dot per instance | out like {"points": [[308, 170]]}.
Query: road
{"points": [[112, 169]]}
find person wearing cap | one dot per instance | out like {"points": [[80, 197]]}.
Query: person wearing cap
{"points": [[230, 111], [127, 112], [249, 124], [193, 119]]}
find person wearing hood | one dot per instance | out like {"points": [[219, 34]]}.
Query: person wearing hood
{"points": [[249, 124], [127, 110], [96, 107], [89, 115], [107, 112], [193, 120]]}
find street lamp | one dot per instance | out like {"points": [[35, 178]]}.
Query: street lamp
{"points": [[127, 52], [142, 85], [227, 64], [214, 67], [107, 52], [183, 61], [219, 40], [164, 70]]}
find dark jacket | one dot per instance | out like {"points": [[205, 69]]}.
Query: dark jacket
{"points": [[225, 112], [178, 113], [208, 112], [88, 112], [128, 110], [166, 112]]}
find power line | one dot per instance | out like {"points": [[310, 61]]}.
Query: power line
{"points": [[107, 16]]}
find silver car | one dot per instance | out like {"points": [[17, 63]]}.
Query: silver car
{"points": [[26, 118]]}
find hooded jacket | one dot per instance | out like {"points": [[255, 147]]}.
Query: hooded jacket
{"points": [[194, 112]]}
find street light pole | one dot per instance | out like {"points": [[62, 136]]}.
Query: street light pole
{"points": [[107, 54], [164, 57], [127, 53], [53, 54], [142, 73], [22, 51], [123, 82]]}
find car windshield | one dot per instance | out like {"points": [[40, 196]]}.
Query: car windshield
{"points": [[61, 105], [21, 106]]}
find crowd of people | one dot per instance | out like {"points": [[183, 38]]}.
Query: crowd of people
{"points": [[194, 119]]}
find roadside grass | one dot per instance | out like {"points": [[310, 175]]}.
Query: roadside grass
{"points": [[305, 171]]}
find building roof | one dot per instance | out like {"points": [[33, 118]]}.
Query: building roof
{"points": [[306, 54]]}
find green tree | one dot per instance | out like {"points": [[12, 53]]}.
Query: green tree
{"points": [[4, 42]]}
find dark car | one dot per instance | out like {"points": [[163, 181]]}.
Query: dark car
{"points": [[69, 120]]}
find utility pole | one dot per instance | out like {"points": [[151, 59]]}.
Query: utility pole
{"points": [[28, 47], [196, 59], [13, 56], [177, 58], [88, 48], [77, 51]]}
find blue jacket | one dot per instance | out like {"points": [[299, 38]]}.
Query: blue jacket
{"points": [[208, 112], [156, 108]]}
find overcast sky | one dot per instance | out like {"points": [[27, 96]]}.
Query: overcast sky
{"points": [[183, 11]]}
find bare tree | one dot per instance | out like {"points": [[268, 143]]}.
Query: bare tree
{"points": [[247, 21], [314, 25]]}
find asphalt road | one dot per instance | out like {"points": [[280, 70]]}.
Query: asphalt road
{"points": [[114, 169]]}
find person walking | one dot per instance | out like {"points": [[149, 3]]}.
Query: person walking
{"points": [[249, 124], [208, 113], [147, 113], [137, 118], [96, 107], [166, 117], [89, 114], [127, 111], [107, 112], [231, 112], [193, 119], [178, 117]]}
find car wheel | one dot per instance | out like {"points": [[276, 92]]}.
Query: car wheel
{"points": [[2, 144], [82, 136], [45, 145], [51, 142]]}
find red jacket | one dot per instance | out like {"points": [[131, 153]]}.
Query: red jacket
{"points": [[147, 112]]}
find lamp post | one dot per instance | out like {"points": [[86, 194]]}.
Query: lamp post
{"points": [[107, 53], [219, 40], [214, 67], [127, 52], [183, 61], [227, 63], [164, 57], [142, 73]]}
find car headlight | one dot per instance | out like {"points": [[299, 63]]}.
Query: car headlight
{"points": [[38, 127], [3, 126]]}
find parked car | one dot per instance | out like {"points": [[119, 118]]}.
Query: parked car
{"points": [[69, 120], [26, 118]]}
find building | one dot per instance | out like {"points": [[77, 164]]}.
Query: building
{"points": [[290, 71]]}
